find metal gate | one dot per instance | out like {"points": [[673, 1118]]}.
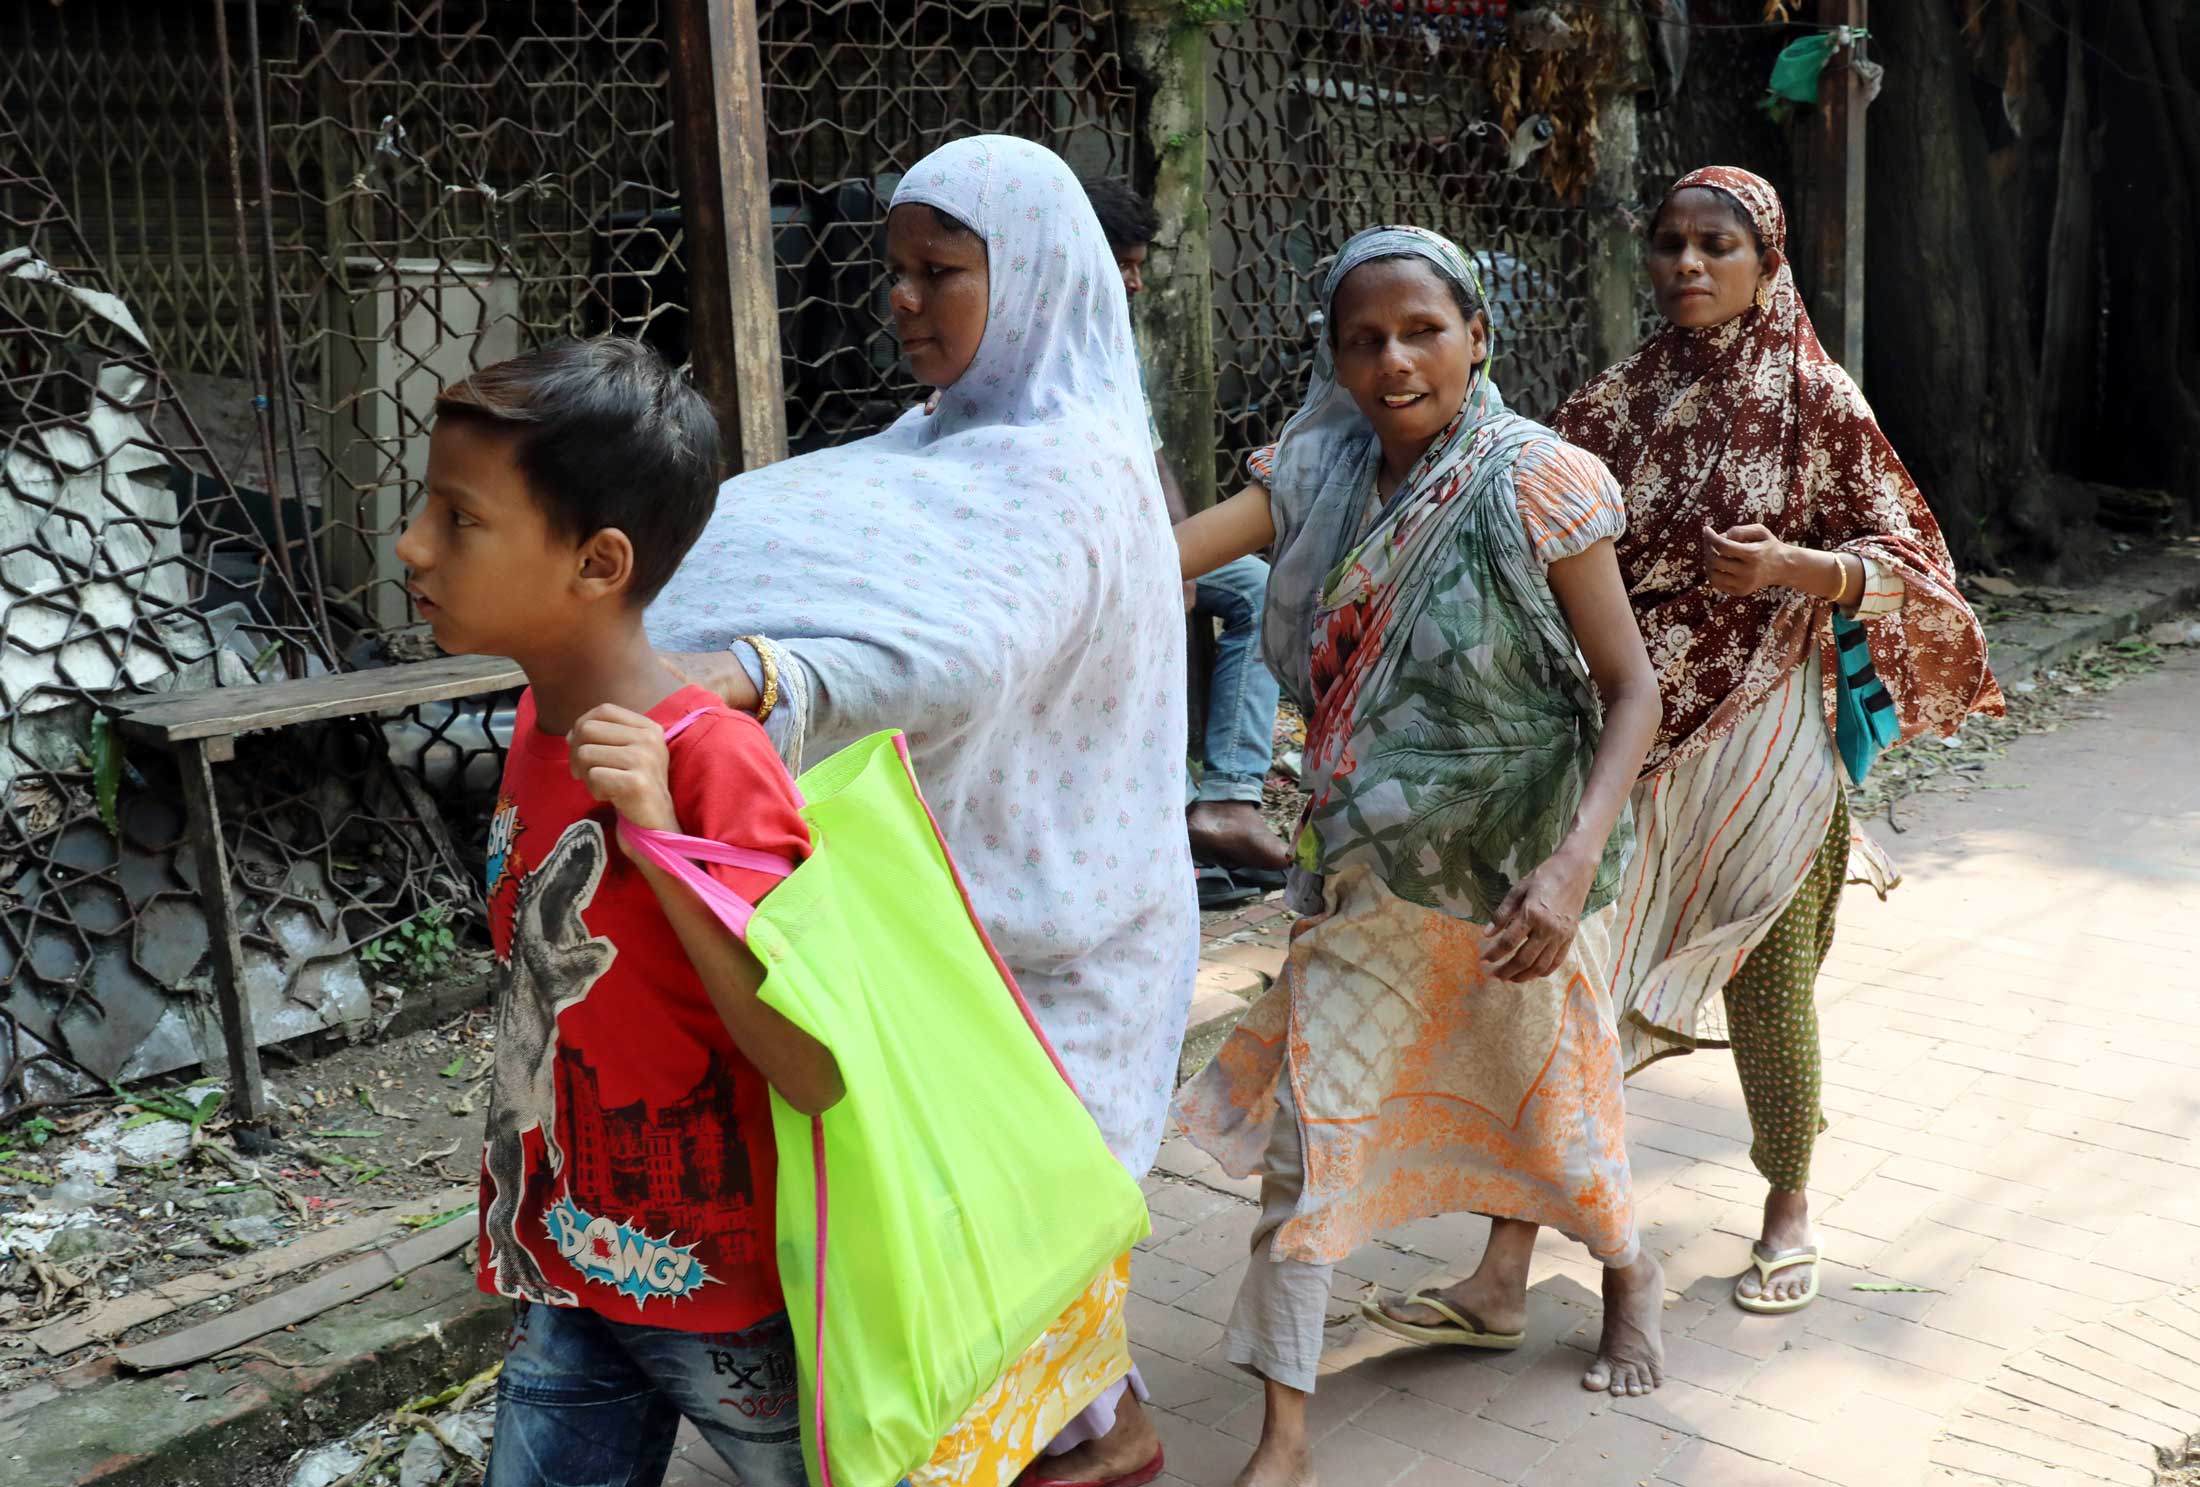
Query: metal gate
{"points": [[1715, 118], [1328, 117], [856, 94], [428, 186]]}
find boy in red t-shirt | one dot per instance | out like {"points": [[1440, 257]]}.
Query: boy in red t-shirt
{"points": [[628, 1171]]}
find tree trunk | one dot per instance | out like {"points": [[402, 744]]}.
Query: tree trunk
{"points": [[2067, 330], [1999, 412], [2181, 117], [2149, 432], [1946, 304], [1167, 62]]}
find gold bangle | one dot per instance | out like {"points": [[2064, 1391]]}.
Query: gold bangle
{"points": [[764, 657]]}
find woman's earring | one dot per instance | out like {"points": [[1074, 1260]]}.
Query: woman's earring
{"points": [[1764, 294]]}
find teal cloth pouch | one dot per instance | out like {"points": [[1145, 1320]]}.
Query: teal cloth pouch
{"points": [[1864, 720]]}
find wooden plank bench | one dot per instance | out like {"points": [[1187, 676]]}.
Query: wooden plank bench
{"points": [[201, 727]]}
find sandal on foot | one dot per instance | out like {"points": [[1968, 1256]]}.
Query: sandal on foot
{"points": [[1218, 889], [1460, 1331], [1768, 1266], [1138, 1477]]}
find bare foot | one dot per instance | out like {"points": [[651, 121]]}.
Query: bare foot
{"points": [[1233, 833], [1630, 1358], [1285, 1456], [1278, 1466], [1123, 1450], [1787, 1226]]}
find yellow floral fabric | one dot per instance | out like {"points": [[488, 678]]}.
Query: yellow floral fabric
{"points": [[1066, 1369]]}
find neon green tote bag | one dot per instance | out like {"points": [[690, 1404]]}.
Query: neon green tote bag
{"points": [[939, 1218]]}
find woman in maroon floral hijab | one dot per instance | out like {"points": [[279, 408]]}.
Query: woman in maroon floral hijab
{"points": [[1761, 498]]}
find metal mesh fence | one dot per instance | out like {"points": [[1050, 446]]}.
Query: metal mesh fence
{"points": [[451, 184], [121, 108], [856, 94], [1327, 118], [438, 185], [128, 562], [444, 184], [1715, 119], [429, 186]]}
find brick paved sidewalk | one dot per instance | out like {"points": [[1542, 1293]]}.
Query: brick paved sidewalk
{"points": [[2013, 1078]]}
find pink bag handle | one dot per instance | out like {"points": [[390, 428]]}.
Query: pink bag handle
{"points": [[679, 856]]}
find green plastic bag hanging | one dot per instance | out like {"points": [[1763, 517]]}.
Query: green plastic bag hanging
{"points": [[1795, 74], [935, 1222]]}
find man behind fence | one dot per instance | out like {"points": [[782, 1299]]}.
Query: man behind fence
{"points": [[1237, 854]]}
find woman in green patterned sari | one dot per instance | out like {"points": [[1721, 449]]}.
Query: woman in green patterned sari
{"points": [[1447, 612]]}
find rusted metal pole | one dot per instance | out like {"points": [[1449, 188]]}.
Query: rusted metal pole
{"points": [[1834, 220], [281, 393], [725, 222], [263, 360]]}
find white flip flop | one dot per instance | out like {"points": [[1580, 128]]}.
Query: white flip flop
{"points": [[1766, 1267], [1461, 1330]]}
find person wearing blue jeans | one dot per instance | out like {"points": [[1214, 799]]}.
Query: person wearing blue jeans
{"points": [[584, 1400], [1223, 816]]}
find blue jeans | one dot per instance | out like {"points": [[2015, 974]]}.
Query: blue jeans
{"points": [[1241, 701], [585, 1402]]}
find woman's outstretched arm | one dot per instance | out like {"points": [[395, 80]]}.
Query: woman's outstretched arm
{"points": [[1226, 531], [715, 671]]}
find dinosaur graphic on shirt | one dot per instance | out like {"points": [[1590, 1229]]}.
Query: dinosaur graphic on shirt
{"points": [[555, 961]]}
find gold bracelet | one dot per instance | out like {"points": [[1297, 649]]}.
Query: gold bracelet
{"points": [[770, 698]]}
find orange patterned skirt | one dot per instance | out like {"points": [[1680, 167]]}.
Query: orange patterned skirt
{"points": [[1424, 1086]]}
